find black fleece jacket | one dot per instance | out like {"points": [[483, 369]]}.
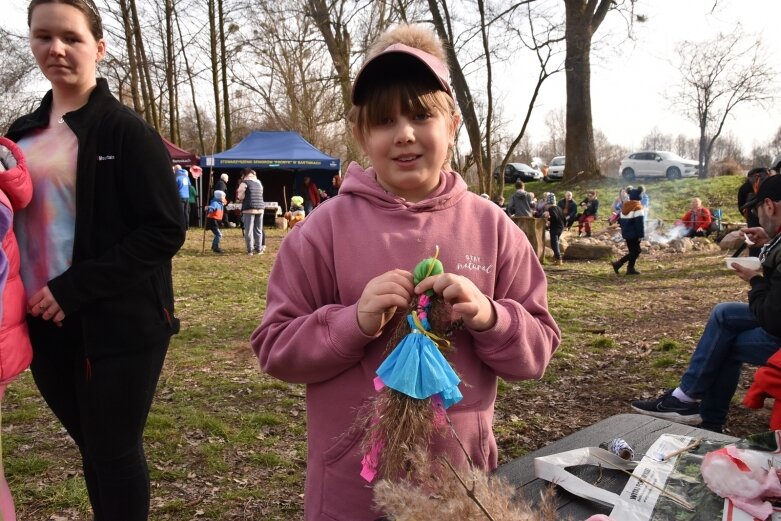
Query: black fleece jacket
{"points": [[128, 226]]}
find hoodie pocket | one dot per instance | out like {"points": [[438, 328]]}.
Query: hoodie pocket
{"points": [[344, 491]]}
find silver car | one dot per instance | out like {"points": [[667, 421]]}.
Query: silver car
{"points": [[556, 169], [656, 164]]}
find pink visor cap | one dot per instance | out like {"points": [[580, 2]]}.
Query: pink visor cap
{"points": [[398, 54]]}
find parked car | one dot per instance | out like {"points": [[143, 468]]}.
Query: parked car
{"points": [[556, 169], [656, 164], [516, 171]]}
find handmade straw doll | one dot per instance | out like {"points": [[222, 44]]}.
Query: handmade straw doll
{"points": [[416, 385]]}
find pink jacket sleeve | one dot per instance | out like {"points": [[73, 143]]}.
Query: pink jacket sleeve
{"points": [[525, 336], [304, 337]]}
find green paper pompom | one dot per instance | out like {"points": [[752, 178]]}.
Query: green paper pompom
{"points": [[426, 268]]}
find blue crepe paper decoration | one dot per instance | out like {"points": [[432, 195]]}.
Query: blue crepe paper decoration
{"points": [[417, 368]]}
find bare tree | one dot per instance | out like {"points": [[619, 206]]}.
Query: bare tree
{"points": [[511, 27], [583, 19], [18, 69], [716, 76], [286, 82], [215, 71]]}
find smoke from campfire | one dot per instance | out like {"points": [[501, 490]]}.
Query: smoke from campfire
{"points": [[656, 232]]}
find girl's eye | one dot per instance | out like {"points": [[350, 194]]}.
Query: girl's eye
{"points": [[422, 116], [385, 120]]}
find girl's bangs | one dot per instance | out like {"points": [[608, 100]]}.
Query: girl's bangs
{"points": [[412, 97]]}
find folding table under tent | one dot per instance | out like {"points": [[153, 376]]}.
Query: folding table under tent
{"points": [[280, 158]]}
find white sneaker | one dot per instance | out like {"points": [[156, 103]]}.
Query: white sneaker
{"points": [[250, 253]]}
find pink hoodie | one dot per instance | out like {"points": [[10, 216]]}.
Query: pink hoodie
{"points": [[310, 334]]}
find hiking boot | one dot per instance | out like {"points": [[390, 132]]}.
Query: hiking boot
{"points": [[218, 250], [588, 234], [711, 427], [632, 272], [558, 262], [616, 266], [668, 407]]}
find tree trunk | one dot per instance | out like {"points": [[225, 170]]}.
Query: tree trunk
{"points": [[583, 19], [466, 103], [534, 228], [224, 66], [215, 77], [131, 54], [150, 108], [337, 40], [170, 72]]}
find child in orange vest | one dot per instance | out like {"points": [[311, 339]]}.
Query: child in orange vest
{"points": [[214, 214]]}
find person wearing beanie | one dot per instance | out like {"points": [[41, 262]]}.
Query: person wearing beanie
{"points": [[222, 184], [297, 212], [632, 221], [214, 213]]}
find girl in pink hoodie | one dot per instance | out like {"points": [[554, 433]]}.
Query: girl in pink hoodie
{"points": [[16, 190], [343, 279]]}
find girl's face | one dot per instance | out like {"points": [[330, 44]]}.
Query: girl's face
{"points": [[65, 49], [408, 151]]}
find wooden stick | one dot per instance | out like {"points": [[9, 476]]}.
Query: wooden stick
{"points": [[470, 492], [692, 445], [673, 497]]}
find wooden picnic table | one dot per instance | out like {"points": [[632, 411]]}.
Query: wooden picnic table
{"points": [[639, 431]]}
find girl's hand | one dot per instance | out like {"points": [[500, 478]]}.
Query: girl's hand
{"points": [[466, 300], [380, 299], [44, 305]]}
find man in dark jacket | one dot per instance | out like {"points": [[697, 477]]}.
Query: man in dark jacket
{"points": [[569, 208], [736, 333]]}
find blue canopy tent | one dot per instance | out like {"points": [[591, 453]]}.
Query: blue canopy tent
{"points": [[280, 158]]}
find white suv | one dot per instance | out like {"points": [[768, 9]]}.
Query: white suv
{"points": [[556, 169], [656, 164]]}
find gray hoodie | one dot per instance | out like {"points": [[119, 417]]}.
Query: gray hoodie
{"points": [[520, 204]]}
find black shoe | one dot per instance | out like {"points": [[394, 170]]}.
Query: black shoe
{"points": [[669, 407], [632, 272], [588, 235], [616, 266], [711, 427], [218, 250]]}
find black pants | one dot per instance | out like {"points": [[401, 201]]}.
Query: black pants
{"points": [[633, 245], [186, 213], [103, 403]]}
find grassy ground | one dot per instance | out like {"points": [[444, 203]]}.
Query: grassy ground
{"points": [[226, 442]]}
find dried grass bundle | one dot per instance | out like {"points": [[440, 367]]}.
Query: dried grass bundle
{"points": [[403, 424], [400, 424], [436, 491]]}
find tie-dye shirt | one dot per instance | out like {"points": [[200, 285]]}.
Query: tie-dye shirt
{"points": [[45, 229]]}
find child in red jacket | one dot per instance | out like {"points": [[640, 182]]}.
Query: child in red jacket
{"points": [[15, 350]]}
